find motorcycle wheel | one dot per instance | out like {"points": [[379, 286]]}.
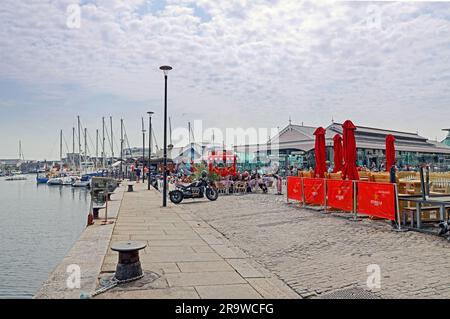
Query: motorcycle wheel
{"points": [[176, 196], [212, 194]]}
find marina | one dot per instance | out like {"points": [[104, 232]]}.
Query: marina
{"points": [[245, 151], [39, 226]]}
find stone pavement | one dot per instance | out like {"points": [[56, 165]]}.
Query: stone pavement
{"points": [[318, 254], [185, 257], [87, 253]]}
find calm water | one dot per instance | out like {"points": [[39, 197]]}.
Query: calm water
{"points": [[38, 226]]}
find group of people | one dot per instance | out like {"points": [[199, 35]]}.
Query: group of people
{"points": [[137, 171], [254, 180]]}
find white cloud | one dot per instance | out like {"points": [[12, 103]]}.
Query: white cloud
{"points": [[260, 61]]}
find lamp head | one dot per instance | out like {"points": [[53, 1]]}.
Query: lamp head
{"points": [[165, 69]]}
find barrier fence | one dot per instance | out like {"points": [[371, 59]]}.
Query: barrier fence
{"points": [[314, 191], [368, 198], [340, 195], [294, 188]]}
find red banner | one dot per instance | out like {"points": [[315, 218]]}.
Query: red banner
{"points": [[314, 189], [294, 188], [376, 199], [340, 194]]}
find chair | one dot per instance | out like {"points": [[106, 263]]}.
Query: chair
{"points": [[222, 188], [364, 175], [240, 187], [337, 176], [309, 174]]}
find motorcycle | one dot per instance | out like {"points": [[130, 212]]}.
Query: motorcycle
{"points": [[197, 189]]}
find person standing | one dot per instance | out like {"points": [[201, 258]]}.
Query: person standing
{"points": [[146, 172], [138, 174], [132, 172], [279, 180]]}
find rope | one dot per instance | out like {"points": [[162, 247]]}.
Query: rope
{"points": [[114, 282]]}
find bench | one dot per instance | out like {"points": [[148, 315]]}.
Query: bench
{"points": [[413, 210]]}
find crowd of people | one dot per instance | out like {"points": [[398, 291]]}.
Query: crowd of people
{"points": [[254, 180]]}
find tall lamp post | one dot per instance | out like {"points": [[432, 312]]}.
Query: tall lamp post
{"points": [[165, 69], [149, 146], [143, 150]]}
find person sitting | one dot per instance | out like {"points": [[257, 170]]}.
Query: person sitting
{"points": [[261, 183]]}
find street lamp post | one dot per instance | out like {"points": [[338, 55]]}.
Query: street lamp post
{"points": [[149, 146], [165, 69], [143, 150]]}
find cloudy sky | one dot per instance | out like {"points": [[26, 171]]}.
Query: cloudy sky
{"points": [[237, 63]]}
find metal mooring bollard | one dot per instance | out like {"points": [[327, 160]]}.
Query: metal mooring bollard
{"points": [[129, 266], [130, 187], [95, 212]]}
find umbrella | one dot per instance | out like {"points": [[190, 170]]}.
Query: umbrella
{"points": [[349, 143], [390, 152], [320, 153], [338, 156], [211, 159]]}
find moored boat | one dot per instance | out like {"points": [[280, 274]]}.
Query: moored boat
{"points": [[41, 180], [18, 177]]}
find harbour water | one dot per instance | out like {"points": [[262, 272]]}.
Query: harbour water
{"points": [[38, 226]]}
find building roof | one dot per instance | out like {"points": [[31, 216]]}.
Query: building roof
{"points": [[446, 141], [302, 138]]}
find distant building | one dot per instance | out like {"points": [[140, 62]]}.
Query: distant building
{"points": [[296, 147], [446, 141], [9, 162]]}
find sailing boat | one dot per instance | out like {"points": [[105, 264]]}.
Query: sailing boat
{"points": [[62, 179], [17, 175], [85, 179]]}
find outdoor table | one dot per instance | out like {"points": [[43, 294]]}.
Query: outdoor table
{"points": [[441, 201], [415, 183]]}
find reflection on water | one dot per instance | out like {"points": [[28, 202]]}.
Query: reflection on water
{"points": [[38, 225]]}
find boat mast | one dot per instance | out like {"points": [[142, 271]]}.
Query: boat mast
{"points": [[103, 143], [112, 140], [121, 146], [60, 150], [20, 151], [73, 146], [96, 148], [85, 148], [79, 141]]}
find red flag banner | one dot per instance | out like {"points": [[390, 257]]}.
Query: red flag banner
{"points": [[376, 199], [294, 188], [314, 189], [340, 194]]}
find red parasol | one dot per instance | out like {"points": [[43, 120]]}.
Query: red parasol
{"points": [[350, 172], [320, 152], [338, 154], [210, 164], [390, 152]]}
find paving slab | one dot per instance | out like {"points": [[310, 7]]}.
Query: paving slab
{"points": [[190, 256]]}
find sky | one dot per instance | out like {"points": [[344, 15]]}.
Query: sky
{"points": [[236, 63]]}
